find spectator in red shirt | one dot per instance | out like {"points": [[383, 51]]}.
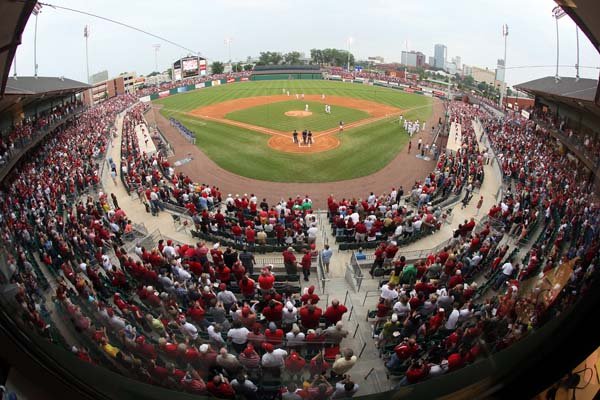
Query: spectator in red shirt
{"points": [[219, 387], [310, 315], [310, 297], [295, 364], [247, 287], [335, 311], [289, 260], [306, 263], [266, 280], [273, 312]]}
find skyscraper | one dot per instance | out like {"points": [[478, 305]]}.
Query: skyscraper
{"points": [[439, 52]]}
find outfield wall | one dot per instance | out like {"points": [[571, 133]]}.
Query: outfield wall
{"points": [[284, 76], [424, 91]]}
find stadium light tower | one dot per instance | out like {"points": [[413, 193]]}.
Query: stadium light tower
{"points": [[86, 34], [156, 49], [502, 92], [557, 13], [349, 42], [228, 42], [36, 11]]}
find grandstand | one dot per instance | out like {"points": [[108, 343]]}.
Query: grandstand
{"points": [[124, 277]]}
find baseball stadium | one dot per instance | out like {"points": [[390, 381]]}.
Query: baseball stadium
{"points": [[291, 226]]}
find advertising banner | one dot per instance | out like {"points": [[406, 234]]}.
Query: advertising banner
{"points": [[525, 114], [199, 85], [164, 93], [216, 83], [145, 99], [230, 80]]}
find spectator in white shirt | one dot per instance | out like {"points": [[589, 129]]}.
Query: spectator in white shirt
{"points": [[273, 359], [188, 329], [452, 319], [238, 336], [388, 292]]}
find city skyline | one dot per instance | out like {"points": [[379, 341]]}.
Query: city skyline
{"points": [[250, 26]]}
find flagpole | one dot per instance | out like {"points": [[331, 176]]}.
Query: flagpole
{"points": [[86, 34], [35, 65]]}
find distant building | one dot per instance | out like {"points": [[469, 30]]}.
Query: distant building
{"points": [[467, 70], [458, 62], [99, 77], [431, 61], [157, 79], [483, 75], [518, 103], [124, 83], [412, 59], [375, 60], [500, 71], [451, 68], [440, 53]]}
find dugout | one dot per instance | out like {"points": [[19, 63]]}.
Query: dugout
{"points": [[282, 72]]}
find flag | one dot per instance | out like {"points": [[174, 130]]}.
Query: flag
{"points": [[86, 33], [37, 9]]}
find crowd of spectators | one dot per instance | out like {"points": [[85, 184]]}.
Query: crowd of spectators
{"points": [[432, 316], [146, 91], [197, 319], [402, 217], [181, 316], [23, 132], [588, 143]]}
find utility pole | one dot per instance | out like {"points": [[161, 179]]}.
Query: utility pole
{"points": [[86, 34], [156, 49]]}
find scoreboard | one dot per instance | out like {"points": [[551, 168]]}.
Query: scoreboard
{"points": [[188, 67]]}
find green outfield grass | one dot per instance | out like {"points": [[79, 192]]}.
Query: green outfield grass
{"points": [[273, 116], [363, 150]]}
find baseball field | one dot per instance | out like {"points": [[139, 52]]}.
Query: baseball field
{"points": [[246, 127]]}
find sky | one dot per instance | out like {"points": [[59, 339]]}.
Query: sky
{"points": [[470, 29]]}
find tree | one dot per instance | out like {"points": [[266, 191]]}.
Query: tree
{"points": [[237, 67], [269, 58], [170, 73], [292, 58], [248, 67], [316, 56], [217, 67]]}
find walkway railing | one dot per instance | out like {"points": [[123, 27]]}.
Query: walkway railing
{"points": [[353, 273]]}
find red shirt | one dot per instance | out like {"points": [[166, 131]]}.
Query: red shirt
{"points": [[274, 337], [310, 320], [455, 361], [266, 281], [334, 314], [223, 390], [295, 363], [273, 313], [306, 261]]}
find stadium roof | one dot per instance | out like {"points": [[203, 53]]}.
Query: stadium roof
{"points": [[579, 93], [25, 90], [585, 14], [39, 85], [14, 18]]}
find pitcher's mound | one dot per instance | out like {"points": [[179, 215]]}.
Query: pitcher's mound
{"points": [[298, 113]]}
